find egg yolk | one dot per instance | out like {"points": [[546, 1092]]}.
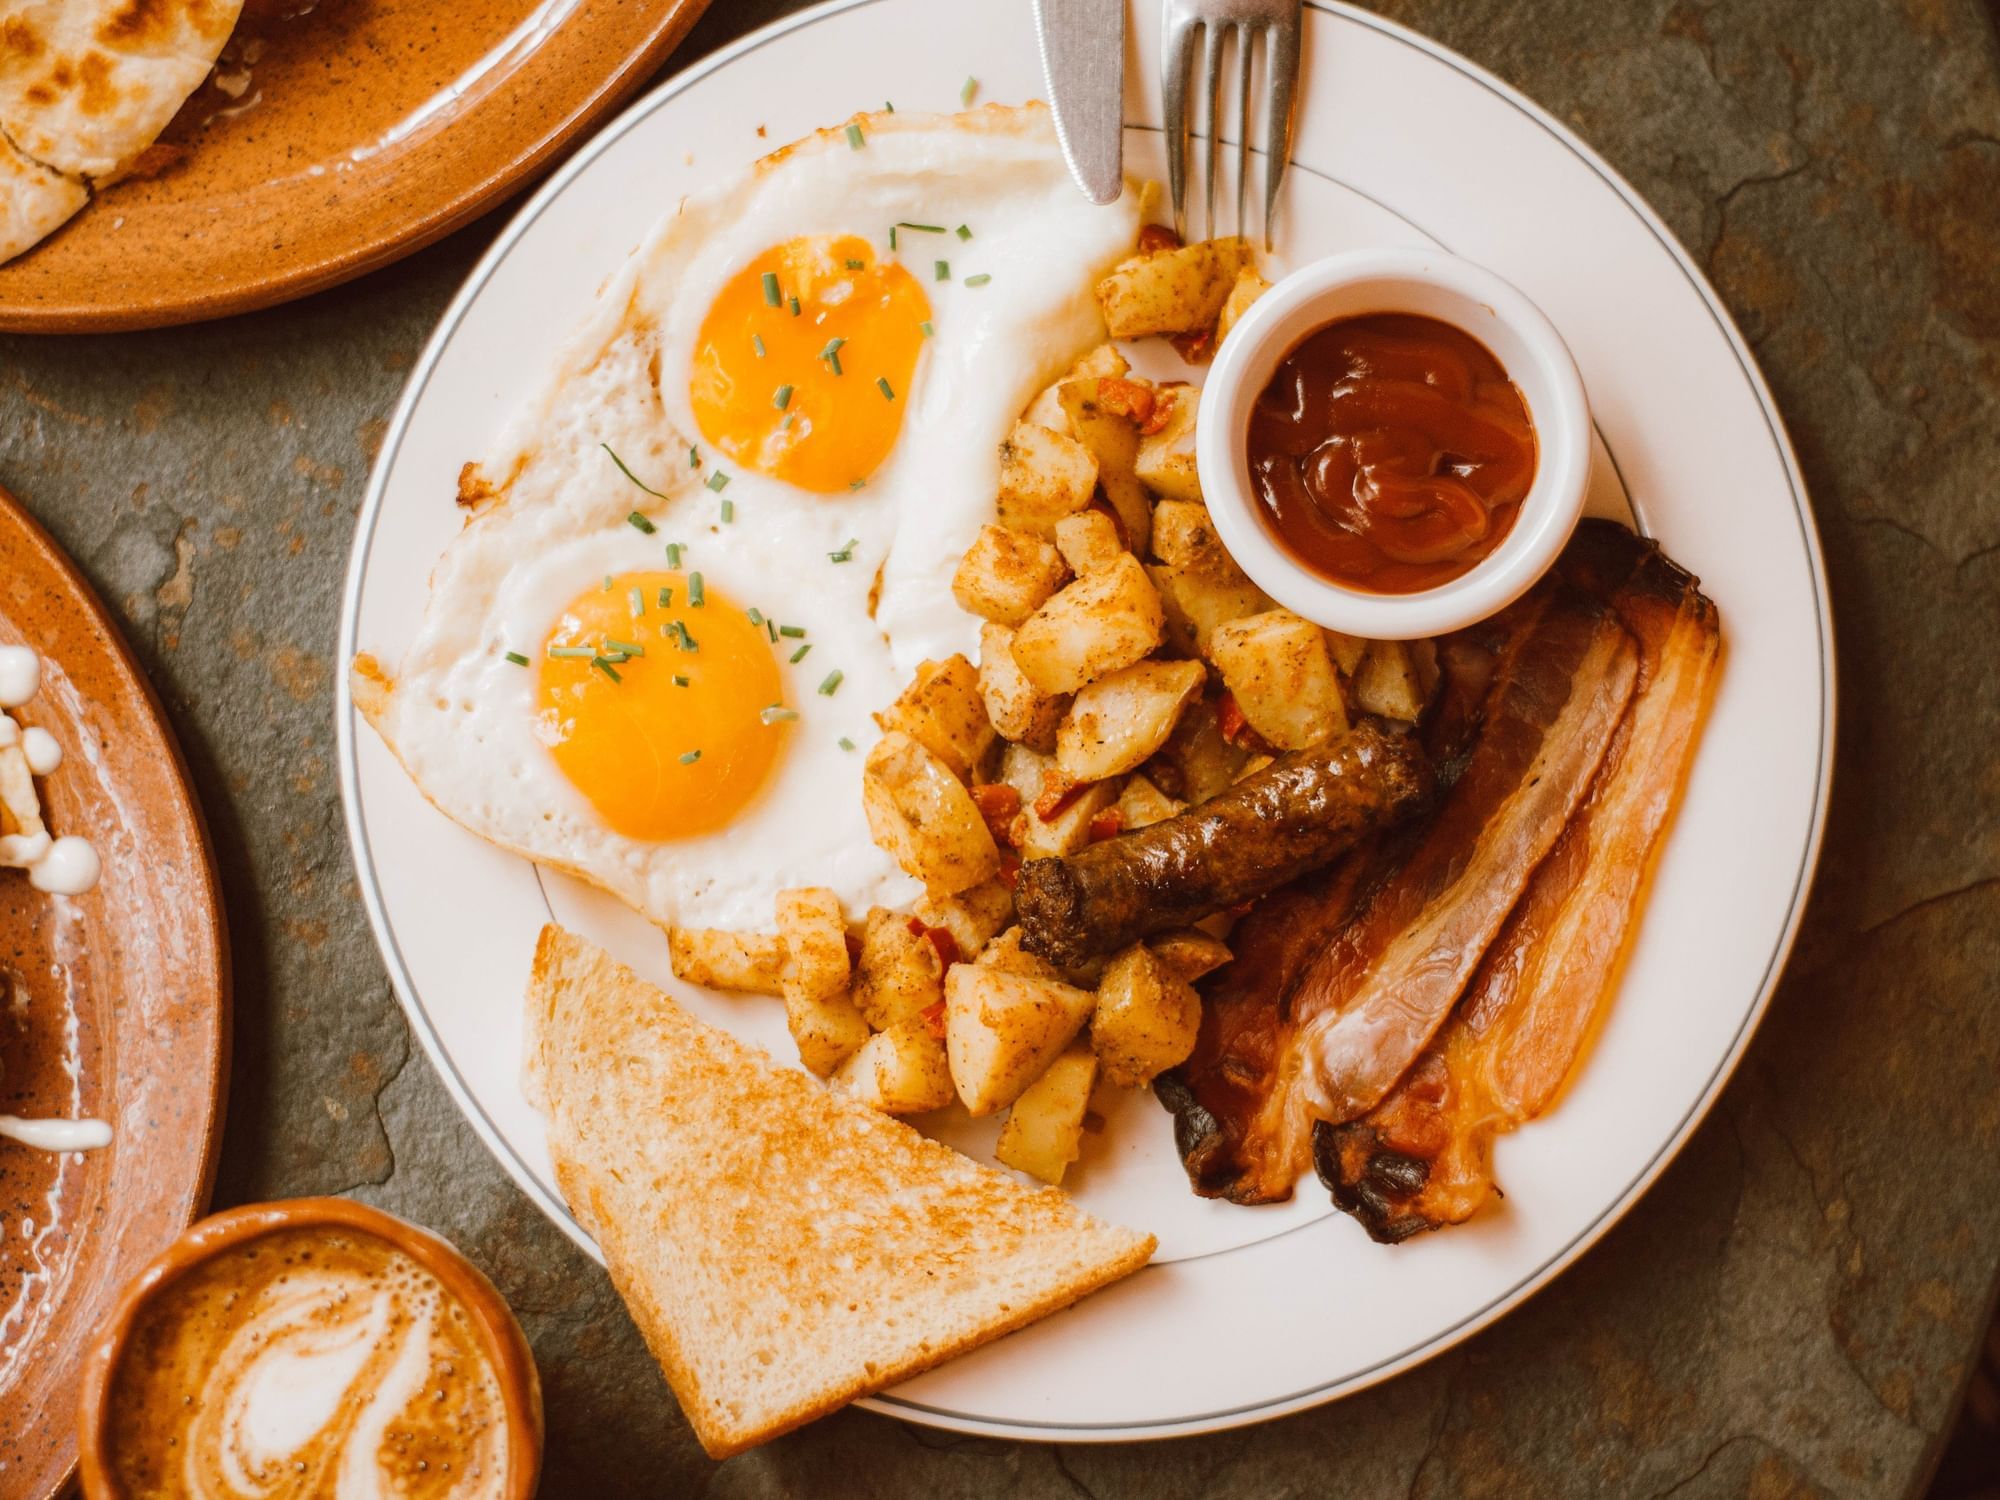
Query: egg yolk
{"points": [[668, 716], [804, 361]]}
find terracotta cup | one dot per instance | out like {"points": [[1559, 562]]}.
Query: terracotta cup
{"points": [[506, 1346]]}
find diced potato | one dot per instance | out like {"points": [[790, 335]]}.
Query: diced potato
{"points": [[1346, 651], [1166, 458], [1194, 602], [1044, 476], [1026, 769], [1277, 666], [1046, 410], [1006, 952], [1142, 804], [1099, 623], [828, 1030], [1246, 289], [753, 962], [1255, 764], [1068, 829], [1116, 722], [942, 710], [1184, 535], [1014, 706], [900, 974], [1190, 952], [1146, 1020], [1424, 662], [1088, 541], [901, 1071], [1005, 576], [1002, 1029], [815, 937], [1197, 762], [1386, 682], [923, 816], [1100, 412], [1172, 291], [971, 917], [1043, 1132]]}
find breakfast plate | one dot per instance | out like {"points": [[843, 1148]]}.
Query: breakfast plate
{"points": [[1291, 1304], [264, 189], [116, 1008]]}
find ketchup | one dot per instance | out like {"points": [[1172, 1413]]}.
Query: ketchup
{"points": [[1390, 452]]}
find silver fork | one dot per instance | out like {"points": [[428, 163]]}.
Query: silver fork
{"points": [[1211, 21]]}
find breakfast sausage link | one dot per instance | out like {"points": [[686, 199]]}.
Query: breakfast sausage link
{"points": [[1292, 817]]}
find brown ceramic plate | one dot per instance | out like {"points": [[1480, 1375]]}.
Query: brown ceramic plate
{"points": [[345, 137], [116, 1005]]}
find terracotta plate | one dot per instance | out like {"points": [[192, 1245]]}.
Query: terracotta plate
{"points": [[115, 1006], [332, 138]]}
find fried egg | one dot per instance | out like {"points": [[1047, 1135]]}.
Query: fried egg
{"points": [[724, 535]]}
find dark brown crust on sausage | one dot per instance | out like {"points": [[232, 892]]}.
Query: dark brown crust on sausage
{"points": [[1288, 819]]}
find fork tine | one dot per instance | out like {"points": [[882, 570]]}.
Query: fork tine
{"points": [[1245, 42], [1179, 52], [1282, 64], [1212, 38]]}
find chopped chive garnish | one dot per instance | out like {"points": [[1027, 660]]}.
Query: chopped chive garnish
{"points": [[980, 280], [641, 523], [846, 554], [517, 658], [718, 481], [920, 228], [680, 681], [786, 425], [888, 106], [694, 458], [929, 332], [855, 484], [629, 648], [965, 95], [771, 297], [673, 554], [772, 626], [964, 231], [607, 583], [795, 632], [857, 265], [691, 757], [757, 343], [755, 615], [688, 642], [882, 384], [635, 601], [941, 270], [630, 475], [571, 653], [778, 714], [892, 236], [794, 304], [665, 597], [854, 137], [845, 743], [800, 654], [782, 397], [728, 512], [695, 596], [830, 684], [606, 668]]}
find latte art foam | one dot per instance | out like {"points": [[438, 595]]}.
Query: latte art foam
{"points": [[311, 1362]]}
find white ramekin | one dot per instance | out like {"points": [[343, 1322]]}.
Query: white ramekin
{"points": [[1435, 285]]}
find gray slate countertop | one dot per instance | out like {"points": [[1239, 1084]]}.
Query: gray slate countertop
{"points": [[1791, 1311]]}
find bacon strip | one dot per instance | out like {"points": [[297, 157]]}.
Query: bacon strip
{"points": [[1422, 1158], [1408, 925]]}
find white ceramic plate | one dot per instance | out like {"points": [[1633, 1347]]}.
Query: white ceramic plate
{"points": [[1289, 1306]]}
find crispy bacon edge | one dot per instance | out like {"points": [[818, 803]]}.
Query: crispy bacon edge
{"points": [[1422, 1158]]}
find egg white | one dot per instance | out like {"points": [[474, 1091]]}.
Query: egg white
{"points": [[461, 717]]}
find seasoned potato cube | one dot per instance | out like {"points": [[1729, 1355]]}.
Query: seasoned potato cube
{"points": [[1099, 623], [1166, 457], [1172, 291], [1423, 662], [1194, 602], [1184, 535], [1066, 829], [1142, 804], [1346, 651], [1046, 410], [828, 1030], [1104, 414], [1246, 289], [1006, 576], [1014, 706], [1006, 952], [753, 962], [942, 710], [1146, 1019], [1088, 541], [1026, 770], [1196, 762], [1043, 1132], [900, 974], [923, 816], [1190, 952], [900, 1071], [1386, 682], [1002, 1029], [971, 917], [1119, 720], [1044, 476], [1277, 666], [815, 936]]}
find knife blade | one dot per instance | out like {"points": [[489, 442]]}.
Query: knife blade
{"points": [[1083, 60]]}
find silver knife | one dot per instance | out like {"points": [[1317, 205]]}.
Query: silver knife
{"points": [[1083, 59]]}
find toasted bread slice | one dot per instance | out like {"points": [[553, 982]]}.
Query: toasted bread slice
{"points": [[784, 1249]]}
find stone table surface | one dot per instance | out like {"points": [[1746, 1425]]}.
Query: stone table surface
{"points": [[1791, 1311]]}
